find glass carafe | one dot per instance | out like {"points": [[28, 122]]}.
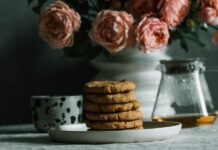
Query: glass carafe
{"points": [[184, 93]]}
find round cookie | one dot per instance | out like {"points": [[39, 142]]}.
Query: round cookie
{"points": [[121, 116], [137, 128], [100, 125], [112, 98], [109, 86], [110, 108]]}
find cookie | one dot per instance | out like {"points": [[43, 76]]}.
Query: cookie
{"points": [[121, 116], [109, 86], [110, 108], [112, 98], [137, 128], [101, 125]]}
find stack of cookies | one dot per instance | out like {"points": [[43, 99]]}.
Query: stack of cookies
{"points": [[111, 105]]}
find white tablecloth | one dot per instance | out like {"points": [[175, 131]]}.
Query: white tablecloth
{"points": [[24, 137]]}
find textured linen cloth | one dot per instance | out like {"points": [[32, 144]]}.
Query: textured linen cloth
{"points": [[25, 137]]}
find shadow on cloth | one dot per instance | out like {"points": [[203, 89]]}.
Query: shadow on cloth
{"points": [[28, 139]]}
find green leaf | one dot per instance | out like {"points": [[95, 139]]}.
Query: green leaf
{"points": [[30, 1], [204, 28], [36, 9], [184, 45], [39, 5], [194, 34], [181, 37], [82, 46], [85, 49], [78, 50], [93, 4], [196, 40], [41, 2], [214, 27]]}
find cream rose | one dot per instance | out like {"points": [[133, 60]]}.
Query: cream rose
{"points": [[57, 25], [173, 12], [112, 29], [151, 34]]}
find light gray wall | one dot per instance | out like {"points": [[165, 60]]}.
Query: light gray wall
{"points": [[29, 67]]}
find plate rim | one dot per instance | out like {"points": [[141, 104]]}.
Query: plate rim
{"points": [[55, 135], [162, 122]]}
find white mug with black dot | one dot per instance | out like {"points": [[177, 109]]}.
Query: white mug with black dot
{"points": [[53, 111]]}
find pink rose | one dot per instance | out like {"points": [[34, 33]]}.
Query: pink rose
{"points": [[112, 30], [209, 11], [173, 12], [151, 34], [208, 3], [208, 15], [215, 37], [57, 25], [211, 3]]}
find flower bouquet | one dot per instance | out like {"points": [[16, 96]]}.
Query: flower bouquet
{"points": [[87, 27]]}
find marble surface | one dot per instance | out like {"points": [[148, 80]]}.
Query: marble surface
{"points": [[24, 137]]}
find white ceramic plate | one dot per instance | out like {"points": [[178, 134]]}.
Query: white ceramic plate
{"points": [[77, 133]]}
